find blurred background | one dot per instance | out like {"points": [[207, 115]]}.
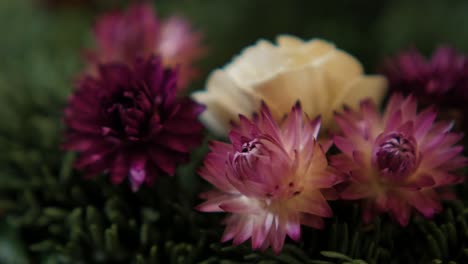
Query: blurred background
{"points": [[42, 43], [43, 39]]}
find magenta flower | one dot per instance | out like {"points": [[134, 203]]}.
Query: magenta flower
{"points": [[442, 80], [397, 161], [137, 32], [271, 179], [128, 121]]}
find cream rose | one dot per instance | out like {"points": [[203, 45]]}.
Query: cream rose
{"points": [[321, 76]]}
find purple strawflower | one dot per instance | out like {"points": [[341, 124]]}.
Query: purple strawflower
{"points": [[397, 162], [129, 122], [441, 80]]}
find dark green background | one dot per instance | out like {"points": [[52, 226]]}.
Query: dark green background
{"points": [[370, 30]]}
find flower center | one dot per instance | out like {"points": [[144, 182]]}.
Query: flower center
{"points": [[251, 146], [249, 152], [127, 114], [396, 155], [257, 162]]}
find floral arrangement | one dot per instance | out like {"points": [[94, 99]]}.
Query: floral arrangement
{"points": [[294, 153]]}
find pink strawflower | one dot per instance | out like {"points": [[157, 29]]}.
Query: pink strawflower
{"points": [[399, 160], [440, 80], [128, 121], [137, 32], [271, 178]]}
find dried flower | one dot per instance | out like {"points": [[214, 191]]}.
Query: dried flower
{"points": [[442, 80], [136, 32], [322, 77], [271, 178], [397, 161], [128, 121]]}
